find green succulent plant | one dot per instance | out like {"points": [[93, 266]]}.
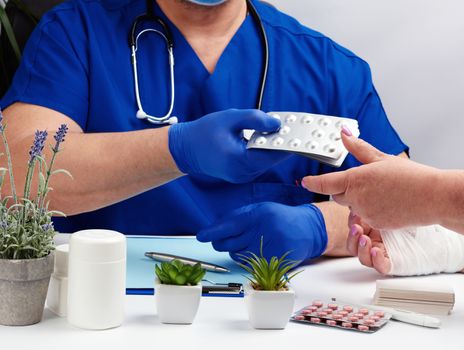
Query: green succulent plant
{"points": [[268, 275], [179, 274]]}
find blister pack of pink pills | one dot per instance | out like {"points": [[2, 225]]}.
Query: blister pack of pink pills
{"points": [[342, 316], [311, 135]]}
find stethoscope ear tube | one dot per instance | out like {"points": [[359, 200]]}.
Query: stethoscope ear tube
{"points": [[254, 13]]}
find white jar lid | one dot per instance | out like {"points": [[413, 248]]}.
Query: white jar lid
{"points": [[61, 259], [97, 246]]}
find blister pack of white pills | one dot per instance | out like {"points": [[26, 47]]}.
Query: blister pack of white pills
{"points": [[311, 135]]}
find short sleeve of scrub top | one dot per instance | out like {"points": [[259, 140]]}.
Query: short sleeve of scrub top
{"points": [[352, 82], [53, 72], [77, 62]]}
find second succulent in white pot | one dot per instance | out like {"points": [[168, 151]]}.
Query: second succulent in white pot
{"points": [[269, 297], [269, 309], [178, 291]]}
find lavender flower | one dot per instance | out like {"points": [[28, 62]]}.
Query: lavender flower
{"points": [[48, 226], [38, 145], [59, 136]]}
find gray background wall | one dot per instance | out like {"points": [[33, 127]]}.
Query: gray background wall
{"points": [[416, 52]]}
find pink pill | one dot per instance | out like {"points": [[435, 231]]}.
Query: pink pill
{"points": [[348, 308], [359, 315], [299, 318], [322, 314], [312, 308], [318, 303], [315, 320], [333, 306], [364, 311], [337, 317], [347, 325], [369, 322], [363, 328], [331, 322], [329, 311], [375, 318], [306, 312], [344, 313], [353, 319], [380, 313]]}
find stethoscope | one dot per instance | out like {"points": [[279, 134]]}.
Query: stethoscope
{"points": [[166, 34]]}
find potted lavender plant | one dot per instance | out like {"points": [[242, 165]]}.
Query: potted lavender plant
{"points": [[26, 235]]}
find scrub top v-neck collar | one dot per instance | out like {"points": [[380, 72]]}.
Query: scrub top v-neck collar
{"points": [[181, 45]]}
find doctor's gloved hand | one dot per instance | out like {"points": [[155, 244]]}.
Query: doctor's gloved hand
{"points": [[213, 145], [300, 230]]}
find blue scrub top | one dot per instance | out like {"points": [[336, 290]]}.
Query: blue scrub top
{"points": [[77, 62]]}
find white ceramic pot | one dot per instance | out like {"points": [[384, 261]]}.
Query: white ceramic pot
{"points": [[177, 304], [269, 309]]}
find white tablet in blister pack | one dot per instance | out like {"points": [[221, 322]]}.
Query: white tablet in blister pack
{"points": [[311, 135]]}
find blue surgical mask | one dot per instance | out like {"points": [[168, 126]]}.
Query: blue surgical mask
{"points": [[207, 2]]}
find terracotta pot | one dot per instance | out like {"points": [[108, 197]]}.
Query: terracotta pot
{"points": [[23, 289]]}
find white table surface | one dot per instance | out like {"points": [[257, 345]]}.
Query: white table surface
{"points": [[222, 322]]}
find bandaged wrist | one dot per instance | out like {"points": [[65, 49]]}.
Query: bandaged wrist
{"points": [[424, 250]]}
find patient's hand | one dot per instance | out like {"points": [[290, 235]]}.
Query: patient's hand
{"points": [[388, 192], [366, 243], [411, 251]]}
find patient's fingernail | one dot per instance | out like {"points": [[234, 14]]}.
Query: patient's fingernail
{"points": [[302, 183], [346, 131], [373, 253], [362, 241], [353, 230]]}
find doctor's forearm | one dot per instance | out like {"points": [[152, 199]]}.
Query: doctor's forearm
{"points": [[450, 200], [107, 167], [336, 218]]}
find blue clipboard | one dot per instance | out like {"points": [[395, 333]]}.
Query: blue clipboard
{"points": [[141, 270]]}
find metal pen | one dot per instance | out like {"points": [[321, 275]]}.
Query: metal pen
{"points": [[169, 257]]}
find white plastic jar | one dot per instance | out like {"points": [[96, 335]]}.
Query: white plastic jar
{"points": [[57, 298], [97, 279]]}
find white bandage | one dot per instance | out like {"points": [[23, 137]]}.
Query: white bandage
{"points": [[424, 250]]}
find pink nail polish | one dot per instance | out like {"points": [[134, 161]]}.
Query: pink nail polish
{"points": [[373, 253], [346, 131], [353, 230], [362, 241]]}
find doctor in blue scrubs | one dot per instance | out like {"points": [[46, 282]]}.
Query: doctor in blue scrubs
{"points": [[195, 176]]}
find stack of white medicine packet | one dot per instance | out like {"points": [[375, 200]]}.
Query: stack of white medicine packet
{"points": [[310, 135], [426, 297]]}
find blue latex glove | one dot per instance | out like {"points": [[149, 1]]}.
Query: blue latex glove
{"points": [[213, 145], [300, 230]]}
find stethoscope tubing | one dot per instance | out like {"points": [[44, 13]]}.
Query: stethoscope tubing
{"points": [[167, 36]]}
